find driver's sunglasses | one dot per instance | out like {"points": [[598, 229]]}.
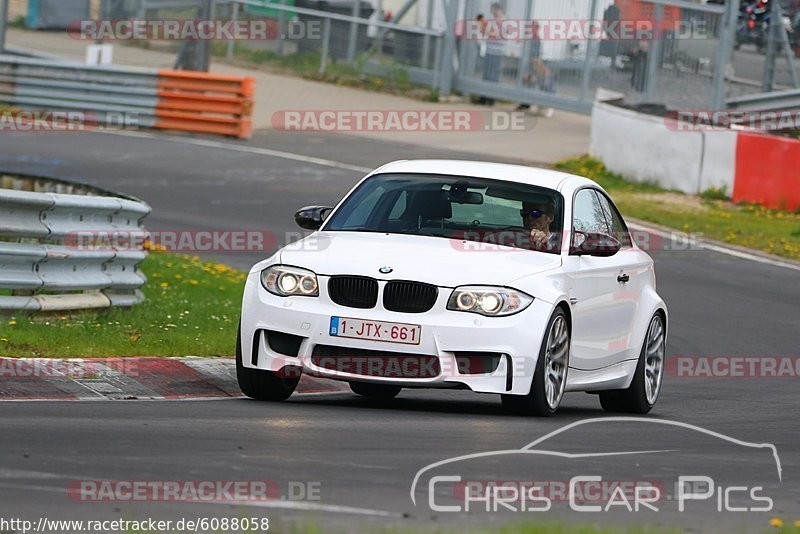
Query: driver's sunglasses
{"points": [[531, 213]]}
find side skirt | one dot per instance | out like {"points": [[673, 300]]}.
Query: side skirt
{"points": [[617, 376]]}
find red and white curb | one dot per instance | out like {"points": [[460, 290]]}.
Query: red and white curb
{"points": [[130, 378]]}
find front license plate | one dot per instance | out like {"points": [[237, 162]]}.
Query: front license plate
{"points": [[405, 334]]}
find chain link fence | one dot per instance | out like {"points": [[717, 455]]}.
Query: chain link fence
{"points": [[679, 54]]}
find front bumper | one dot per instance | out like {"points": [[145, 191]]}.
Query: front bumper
{"points": [[518, 338]]}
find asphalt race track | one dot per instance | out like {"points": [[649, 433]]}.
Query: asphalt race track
{"points": [[363, 456]]}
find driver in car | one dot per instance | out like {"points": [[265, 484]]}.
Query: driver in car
{"points": [[537, 217]]}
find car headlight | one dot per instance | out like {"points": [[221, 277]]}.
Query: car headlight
{"points": [[286, 281], [489, 301]]}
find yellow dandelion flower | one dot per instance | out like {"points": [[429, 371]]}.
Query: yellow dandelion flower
{"points": [[776, 522], [193, 282], [12, 323], [164, 284]]}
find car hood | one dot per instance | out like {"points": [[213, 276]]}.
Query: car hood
{"points": [[438, 261]]}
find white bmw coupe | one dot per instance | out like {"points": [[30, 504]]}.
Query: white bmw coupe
{"points": [[495, 278]]}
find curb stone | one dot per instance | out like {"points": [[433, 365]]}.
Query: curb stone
{"points": [[145, 378]]}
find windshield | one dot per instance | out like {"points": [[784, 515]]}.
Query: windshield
{"points": [[454, 207]]}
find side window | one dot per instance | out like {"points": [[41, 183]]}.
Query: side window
{"points": [[615, 221], [588, 214]]}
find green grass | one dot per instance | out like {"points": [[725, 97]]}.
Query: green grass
{"points": [[748, 225], [191, 307], [557, 528]]}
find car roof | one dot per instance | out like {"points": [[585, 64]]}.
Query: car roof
{"points": [[551, 179]]}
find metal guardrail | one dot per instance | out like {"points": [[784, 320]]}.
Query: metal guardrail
{"points": [[775, 101], [149, 98], [45, 269]]}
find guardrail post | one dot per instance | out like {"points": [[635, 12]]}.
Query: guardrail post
{"points": [[426, 40], [768, 77], [326, 45], [281, 23], [449, 46], [231, 42], [351, 43], [654, 62], [592, 49], [3, 22], [204, 61], [437, 63], [726, 40]]}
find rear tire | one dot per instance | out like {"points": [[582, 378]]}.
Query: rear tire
{"points": [[643, 392], [264, 385], [551, 366], [375, 391]]}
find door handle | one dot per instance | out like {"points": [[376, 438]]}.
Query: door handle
{"points": [[623, 278]]}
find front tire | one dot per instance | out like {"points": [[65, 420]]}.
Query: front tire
{"points": [[550, 377], [375, 391], [264, 385], [643, 392]]}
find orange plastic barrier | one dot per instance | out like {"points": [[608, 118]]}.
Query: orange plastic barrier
{"points": [[767, 171], [646, 11], [205, 103]]}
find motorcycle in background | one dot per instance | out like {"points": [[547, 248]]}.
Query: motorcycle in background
{"points": [[753, 26]]}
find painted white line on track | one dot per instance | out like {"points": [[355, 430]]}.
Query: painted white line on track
{"points": [[285, 505], [308, 507], [248, 149]]}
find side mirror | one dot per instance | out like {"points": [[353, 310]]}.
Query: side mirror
{"points": [[594, 244], [311, 217]]}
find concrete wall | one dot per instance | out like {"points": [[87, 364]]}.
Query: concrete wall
{"points": [[644, 148]]}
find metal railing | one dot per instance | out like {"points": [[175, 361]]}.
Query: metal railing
{"points": [[695, 70], [398, 52], [776, 100], [119, 97], [44, 267]]}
